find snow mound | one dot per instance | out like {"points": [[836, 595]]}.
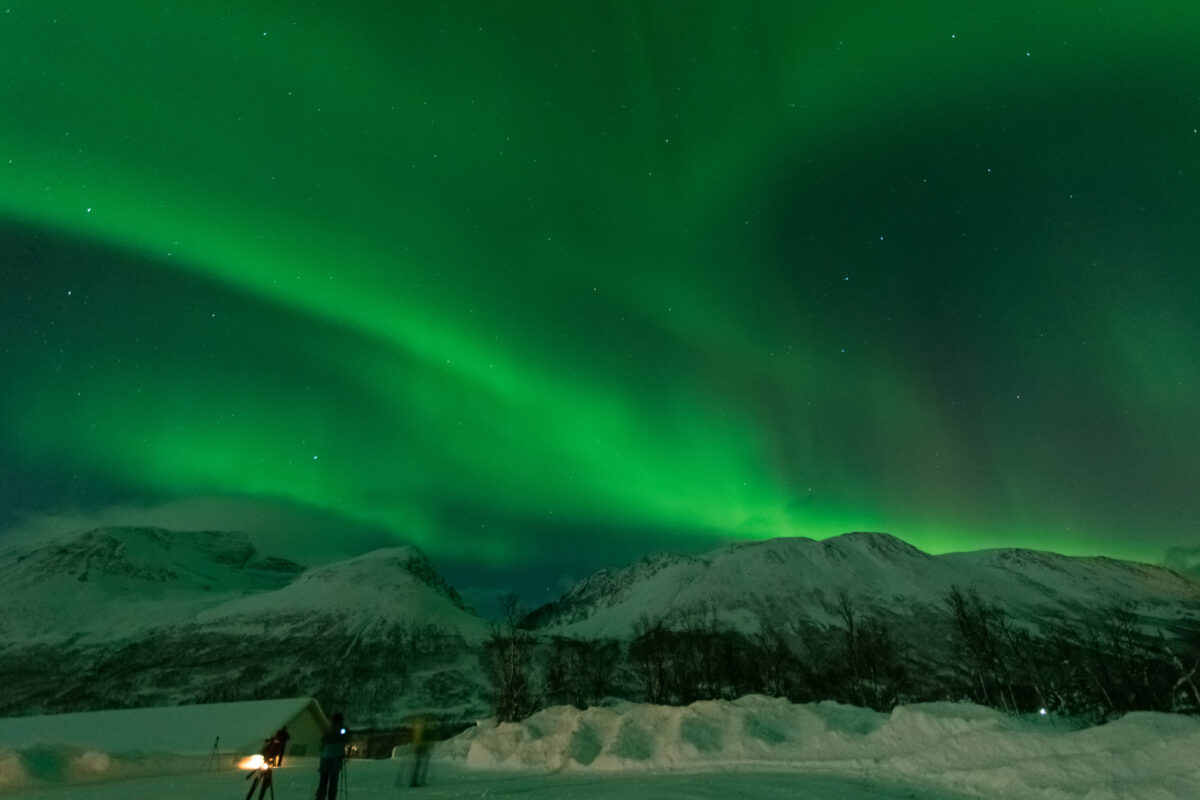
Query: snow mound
{"points": [[959, 747], [45, 765]]}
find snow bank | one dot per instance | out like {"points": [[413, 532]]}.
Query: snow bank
{"points": [[51, 765], [959, 747]]}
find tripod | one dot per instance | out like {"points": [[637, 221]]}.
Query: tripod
{"points": [[262, 781], [213, 759]]}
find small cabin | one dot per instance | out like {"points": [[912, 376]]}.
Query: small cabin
{"points": [[224, 729]]}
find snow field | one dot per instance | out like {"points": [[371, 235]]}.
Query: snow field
{"points": [[388, 780], [71, 768], [754, 747]]}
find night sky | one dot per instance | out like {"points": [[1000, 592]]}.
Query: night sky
{"points": [[544, 286]]}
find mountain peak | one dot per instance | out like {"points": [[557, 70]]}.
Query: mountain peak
{"points": [[883, 544], [410, 560], [152, 556]]}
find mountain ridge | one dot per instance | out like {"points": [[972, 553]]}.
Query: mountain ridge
{"points": [[876, 570], [152, 616], [147, 616]]}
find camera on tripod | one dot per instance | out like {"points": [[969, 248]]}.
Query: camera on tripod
{"points": [[260, 771]]}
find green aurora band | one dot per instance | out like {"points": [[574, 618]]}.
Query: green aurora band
{"points": [[535, 277]]}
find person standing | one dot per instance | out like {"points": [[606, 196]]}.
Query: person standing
{"points": [[333, 753], [281, 740], [421, 745]]}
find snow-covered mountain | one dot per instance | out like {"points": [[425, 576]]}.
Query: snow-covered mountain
{"points": [[780, 581], [392, 586], [121, 582], [118, 582], [140, 616], [1185, 560]]}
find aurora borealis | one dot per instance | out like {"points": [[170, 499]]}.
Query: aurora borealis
{"points": [[552, 285]]}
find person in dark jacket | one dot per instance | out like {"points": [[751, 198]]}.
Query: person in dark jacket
{"points": [[268, 750], [281, 739], [333, 753]]}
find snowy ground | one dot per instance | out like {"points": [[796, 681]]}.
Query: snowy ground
{"points": [[755, 747], [378, 779]]}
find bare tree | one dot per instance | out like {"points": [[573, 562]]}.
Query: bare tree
{"points": [[871, 657], [650, 655], [580, 671], [507, 660], [774, 659], [977, 627], [1181, 699]]}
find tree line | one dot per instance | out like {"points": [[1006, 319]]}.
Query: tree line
{"points": [[968, 649]]}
